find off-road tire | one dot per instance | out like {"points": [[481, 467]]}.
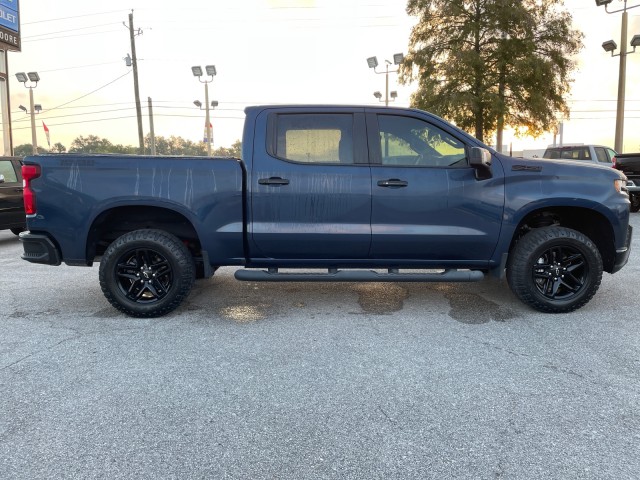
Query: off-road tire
{"points": [[554, 269], [146, 273]]}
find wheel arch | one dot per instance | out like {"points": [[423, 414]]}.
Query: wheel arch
{"points": [[589, 222], [114, 222]]}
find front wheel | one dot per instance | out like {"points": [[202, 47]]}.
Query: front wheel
{"points": [[146, 273], [554, 269]]}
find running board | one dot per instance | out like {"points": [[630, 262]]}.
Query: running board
{"points": [[335, 275]]}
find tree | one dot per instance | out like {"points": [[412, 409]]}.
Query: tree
{"points": [[176, 146], [26, 149], [234, 150], [58, 148], [484, 63], [91, 144]]}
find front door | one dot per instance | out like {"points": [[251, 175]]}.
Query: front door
{"points": [[427, 203]]}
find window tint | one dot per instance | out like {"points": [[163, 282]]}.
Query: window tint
{"points": [[601, 154], [6, 169], [577, 153], [407, 141], [315, 138]]}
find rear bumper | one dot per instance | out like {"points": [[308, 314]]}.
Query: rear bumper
{"points": [[622, 254], [39, 248]]}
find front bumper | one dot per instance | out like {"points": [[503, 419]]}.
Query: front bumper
{"points": [[622, 254], [39, 248]]}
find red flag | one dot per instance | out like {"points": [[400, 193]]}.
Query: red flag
{"points": [[46, 132]]}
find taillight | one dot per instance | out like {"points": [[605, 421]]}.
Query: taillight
{"points": [[29, 172]]}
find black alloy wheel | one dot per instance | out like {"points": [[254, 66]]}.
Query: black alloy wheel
{"points": [[146, 273], [554, 269], [560, 272]]}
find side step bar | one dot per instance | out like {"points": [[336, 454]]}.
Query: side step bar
{"points": [[335, 275]]}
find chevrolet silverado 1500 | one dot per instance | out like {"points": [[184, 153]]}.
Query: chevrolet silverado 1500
{"points": [[363, 194]]}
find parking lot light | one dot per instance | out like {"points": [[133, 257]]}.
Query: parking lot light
{"points": [[610, 46]]}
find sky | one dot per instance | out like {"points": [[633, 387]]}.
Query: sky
{"points": [[265, 52]]}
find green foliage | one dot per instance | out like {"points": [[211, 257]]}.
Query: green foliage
{"points": [[95, 144], [478, 62], [26, 149], [234, 151], [175, 146], [180, 146], [164, 146], [58, 148]]}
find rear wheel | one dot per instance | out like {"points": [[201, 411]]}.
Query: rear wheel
{"points": [[146, 273], [554, 269], [17, 231]]}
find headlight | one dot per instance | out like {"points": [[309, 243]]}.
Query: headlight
{"points": [[620, 185]]}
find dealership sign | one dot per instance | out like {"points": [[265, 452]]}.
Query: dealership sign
{"points": [[10, 24]]}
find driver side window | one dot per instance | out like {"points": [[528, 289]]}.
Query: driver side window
{"points": [[407, 141]]}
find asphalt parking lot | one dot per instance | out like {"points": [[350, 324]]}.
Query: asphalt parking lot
{"points": [[305, 381]]}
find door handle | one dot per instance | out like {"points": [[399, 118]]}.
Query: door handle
{"points": [[276, 181], [393, 183]]}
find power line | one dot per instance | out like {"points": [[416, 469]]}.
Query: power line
{"points": [[66, 31], [77, 67], [121, 118], [75, 16], [93, 91], [69, 36]]}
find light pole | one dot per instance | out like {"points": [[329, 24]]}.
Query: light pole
{"points": [[393, 94], [34, 78], [610, 46], [208, 133], [211, 72], [373, 63]]}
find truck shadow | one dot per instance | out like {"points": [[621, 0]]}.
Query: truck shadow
{"points": [[247, 302]]}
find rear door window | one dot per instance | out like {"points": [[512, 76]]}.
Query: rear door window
{"points": [[314, 138]]}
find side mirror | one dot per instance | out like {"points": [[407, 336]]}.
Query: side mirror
{"points": [[480, 160]]}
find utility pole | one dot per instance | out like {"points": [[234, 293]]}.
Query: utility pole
{"points": [[134, 64], [152, 135]]}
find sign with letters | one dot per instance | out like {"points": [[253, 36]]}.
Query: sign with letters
{"points": [[10, 24]]}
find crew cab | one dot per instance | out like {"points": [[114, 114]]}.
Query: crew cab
{"points": [[330, 193]]}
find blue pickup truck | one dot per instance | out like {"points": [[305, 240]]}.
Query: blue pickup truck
{"points": [[330, 193]]}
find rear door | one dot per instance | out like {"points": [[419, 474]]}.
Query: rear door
{"points": [[310, 185], [11, 203], [427, 203]]}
